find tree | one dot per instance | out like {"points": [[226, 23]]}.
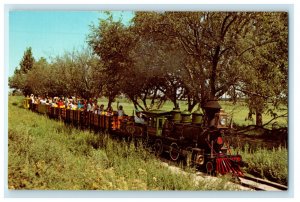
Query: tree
{"points": [[220, 45], [76, 73], [19, 79], [265, 77], [38, 77], [112, 41], [27, 62], [208, 38], [160, 68]]}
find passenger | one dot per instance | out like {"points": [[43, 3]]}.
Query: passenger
{"points": [[95, 106], [138, 118], [50, 101], [37, 99], [32, 98], [89, 106], [70, 105], [109, 111], [60, 104], [66, 102], [80, 105], [47, 101], [54, 104], [43, 101], [74, 106], [101, 110], [92, 106], [121, 111]]}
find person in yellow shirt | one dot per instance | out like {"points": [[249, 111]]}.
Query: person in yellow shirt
{"points": [[74, 106], [101, 110]]}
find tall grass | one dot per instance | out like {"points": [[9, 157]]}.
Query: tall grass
{"points": [[47, 155], [269, 164]]}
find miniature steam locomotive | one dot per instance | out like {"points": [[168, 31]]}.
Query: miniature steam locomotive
{"points": [[197, 138]]}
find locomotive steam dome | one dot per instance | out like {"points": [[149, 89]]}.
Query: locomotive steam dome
{"points": [[176, 115], [197, 117], [186, 116]]}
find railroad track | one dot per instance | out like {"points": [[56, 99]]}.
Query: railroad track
{"points": [[249, 182], [260, 184]]}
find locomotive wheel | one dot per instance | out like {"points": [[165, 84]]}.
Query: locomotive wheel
{"points": [[174, 151], [158, 147]]}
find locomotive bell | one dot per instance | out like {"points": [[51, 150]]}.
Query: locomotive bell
{"points": [[176, 115], [186, 116], [197, 117]]}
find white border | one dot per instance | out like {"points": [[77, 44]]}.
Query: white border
{"points": [[214, 5]]}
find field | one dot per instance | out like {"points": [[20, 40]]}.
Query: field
{"points": [[45, 154]]}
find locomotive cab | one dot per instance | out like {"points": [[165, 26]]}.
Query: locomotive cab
{"points": [[156, 120]]}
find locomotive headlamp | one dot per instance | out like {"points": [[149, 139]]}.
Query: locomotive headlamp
{"points": [[223, 120], [199, 159]]}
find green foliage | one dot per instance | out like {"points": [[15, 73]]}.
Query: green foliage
{"points": [[27, 62], [19, 80], [266, 65], [228, 52], [112, 41], [76, 73]]}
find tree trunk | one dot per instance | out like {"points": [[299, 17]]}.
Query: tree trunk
{"points": [[175, 96], [145, 102], [191, 103], [259, 121], [213, 77], [111, 98], [109, 102]]}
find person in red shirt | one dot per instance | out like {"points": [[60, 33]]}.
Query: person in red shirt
{"points": [[60, 103]]}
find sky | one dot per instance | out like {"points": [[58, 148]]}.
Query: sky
{"points": [[51, 33]]}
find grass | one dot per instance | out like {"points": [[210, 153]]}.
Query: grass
{"points": [[239, 113], [47, 155], [265, 163]]}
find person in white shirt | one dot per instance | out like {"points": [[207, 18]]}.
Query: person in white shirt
{"points": [[138, 118], [43, 101], [121, 111]]}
